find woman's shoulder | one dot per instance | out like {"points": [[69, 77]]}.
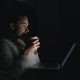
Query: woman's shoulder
{"points": [[6, 41]]}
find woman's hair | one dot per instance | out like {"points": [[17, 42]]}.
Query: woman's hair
{"points": [[15, 19]]}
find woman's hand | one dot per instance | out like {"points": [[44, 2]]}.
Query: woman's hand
{"points": [[34, 46]]}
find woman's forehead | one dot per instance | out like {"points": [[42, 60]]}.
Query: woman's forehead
{"points": [[23, 19]]}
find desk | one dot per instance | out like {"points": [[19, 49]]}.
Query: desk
{"points": [[41, 74]]}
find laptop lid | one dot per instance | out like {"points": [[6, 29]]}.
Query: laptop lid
{"points": [[68, 54]]}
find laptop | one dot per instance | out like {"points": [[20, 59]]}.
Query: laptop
{"points": [[59, 65]]}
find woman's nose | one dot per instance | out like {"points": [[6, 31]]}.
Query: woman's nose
{"points": [[27, 30]]}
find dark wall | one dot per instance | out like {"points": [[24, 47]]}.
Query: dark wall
{"points": [[58, 25], [48, 13], [70, 22]]}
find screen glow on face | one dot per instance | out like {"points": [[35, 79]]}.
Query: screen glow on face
{"points": [[22, 27]]}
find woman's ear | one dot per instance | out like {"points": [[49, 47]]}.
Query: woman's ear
{"points": [[12, 26]]}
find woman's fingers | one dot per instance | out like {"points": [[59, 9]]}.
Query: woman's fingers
{"points": [[37, 44], [36, 41]]}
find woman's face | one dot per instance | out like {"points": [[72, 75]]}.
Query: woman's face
{"points": [[22, 26]]}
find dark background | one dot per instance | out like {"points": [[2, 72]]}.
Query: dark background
{"points": [[56, 22]]}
